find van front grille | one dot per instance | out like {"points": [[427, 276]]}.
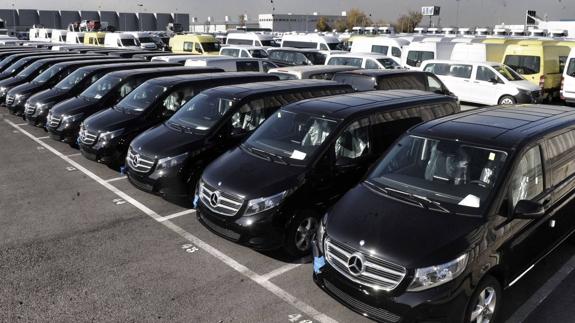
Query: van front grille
{"points": [[138, 162], [87, 137], [219, 202]]}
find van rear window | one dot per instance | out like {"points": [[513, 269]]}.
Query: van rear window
{"points": [[526, 65]]}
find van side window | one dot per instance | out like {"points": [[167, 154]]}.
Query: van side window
{"points": [[198, 48], [253, 113], [388, 126], [371, 64], [485, 74], [353, 142], [379, 49], [248, 66], [402, 82], [437, 68], [461, 71], [230, 52], [434, 85], [128, 87], [560, 155], [188, 46], [396, 52], [527, 180], [571, 68], [244, 53], [323, 47], [266, 66], [178, 98], [415, 58]]}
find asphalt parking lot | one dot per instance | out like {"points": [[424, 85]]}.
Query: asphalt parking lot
{"points": [[79, 243]]}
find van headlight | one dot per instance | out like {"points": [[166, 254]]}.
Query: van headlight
{"points": [[105, 137], [434, 276], [169, 162], [72, 118], [3, 90], [264, 203]]}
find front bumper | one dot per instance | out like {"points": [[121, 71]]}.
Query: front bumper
{"points": [[169, 182], [446, 303], [260, 231], [108, 155], [67, 132], [529, 97], [36, 120]]}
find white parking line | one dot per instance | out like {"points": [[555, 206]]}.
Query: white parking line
{"points": [[21, 124], [280, 271], [276, 290], [74, 155], [41, 138], [176, 215], [541, 295], [115, 179]]}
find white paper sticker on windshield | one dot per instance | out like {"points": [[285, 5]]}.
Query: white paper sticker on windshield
{"points": [[470, 200], [491, 156], [98, 96], [299, 155]]}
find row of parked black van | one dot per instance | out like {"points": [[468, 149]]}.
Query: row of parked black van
{"points": [[414, 211]]}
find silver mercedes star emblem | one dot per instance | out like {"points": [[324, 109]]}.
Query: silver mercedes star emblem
{"points": [[136, 159], [355, 264], [214, 199]]}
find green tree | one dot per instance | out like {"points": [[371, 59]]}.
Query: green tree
{"points": [[340, 25], [322, 25], [356, 17], [406, 23]]}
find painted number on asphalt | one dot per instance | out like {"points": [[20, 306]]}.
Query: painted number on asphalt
{"points": [[118, 201], [70, 168], [40, 148], [190, 248], [298, 318]]}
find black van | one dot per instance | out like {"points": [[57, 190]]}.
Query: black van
{"points": [[65, 117], [169, 159], [44, 72], [148, 105], [81, 79], [273, 189], [368, 80], [458, 209], [296, 56], [22, 60]]}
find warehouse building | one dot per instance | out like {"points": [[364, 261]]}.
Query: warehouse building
{"points": [[291, 22]]}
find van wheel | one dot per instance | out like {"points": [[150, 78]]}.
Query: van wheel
{"points": [[485, 302], [507, 100], [300, 233]]}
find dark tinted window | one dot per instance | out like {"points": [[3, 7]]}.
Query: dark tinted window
{"points": [[349, 61], [571, 67], [395, 52], [402, 82], [230, 52], [188, 47], [415, 58], [240, 41], [358, 82], [437, 68], [485, 74], [525, 65], [560, 155], [379, 49], [299, 44], [248, 66], [460, 70]]}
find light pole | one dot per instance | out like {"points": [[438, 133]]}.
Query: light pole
{"points": [[14, 17], [457, 15], [141, 5]]}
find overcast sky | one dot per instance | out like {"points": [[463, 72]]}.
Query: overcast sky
{"points": [[471, 12]]}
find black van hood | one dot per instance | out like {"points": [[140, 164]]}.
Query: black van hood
{"points": [[49, 97], [162, 141], [407, 235], [110, 120], [11, 82], [241, 173], [27, 88], [75, 106]]}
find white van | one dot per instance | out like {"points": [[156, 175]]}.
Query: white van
{"points": [[418, 52], [568, 84], [251, 39], [477, 52], [483, 82], [74, 37], [121, 40], [59, 36], [45, 34], [178, 59], [363, 60], [232, 64], [321, 72], [244, 51], [391, 47], [314, 41], [145, 39]]}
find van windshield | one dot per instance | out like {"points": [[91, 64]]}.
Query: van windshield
{"points": [[14, 67], [129, 42], [202, 112], [526, 65], [571, 68], [348, 61], [508, 73], [258, 53], [293, 137], [48, 74], [211, 47], [31, 69], [102, 87], [388, 63], [440, 174], [71, 80], [140, 99]]}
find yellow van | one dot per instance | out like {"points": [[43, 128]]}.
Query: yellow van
{"points": [[195, 44], [94, 38], [540, 62]]}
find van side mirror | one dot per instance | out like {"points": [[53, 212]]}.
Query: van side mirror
{"points": [[526, 209]]}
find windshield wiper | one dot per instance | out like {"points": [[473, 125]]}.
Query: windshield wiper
{"points": [[257, 152]]}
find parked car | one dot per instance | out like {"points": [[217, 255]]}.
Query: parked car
{"points": [[244, 51], [484, 82], [364, 60], [195, 44], [169, 159], [272, 190], [178, 58], [94, 38], [313, 41], [296, 56], [568, 81], [321, 72], [369, 80], [232, 64], [418, 52], [150, 104], [65, 118], [457, 210]]}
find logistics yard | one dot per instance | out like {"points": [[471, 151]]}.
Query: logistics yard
{"points": [[350, 171]]}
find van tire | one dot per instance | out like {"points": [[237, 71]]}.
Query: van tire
{"points": [[302, 227], [507, 100], [486, 300]]}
